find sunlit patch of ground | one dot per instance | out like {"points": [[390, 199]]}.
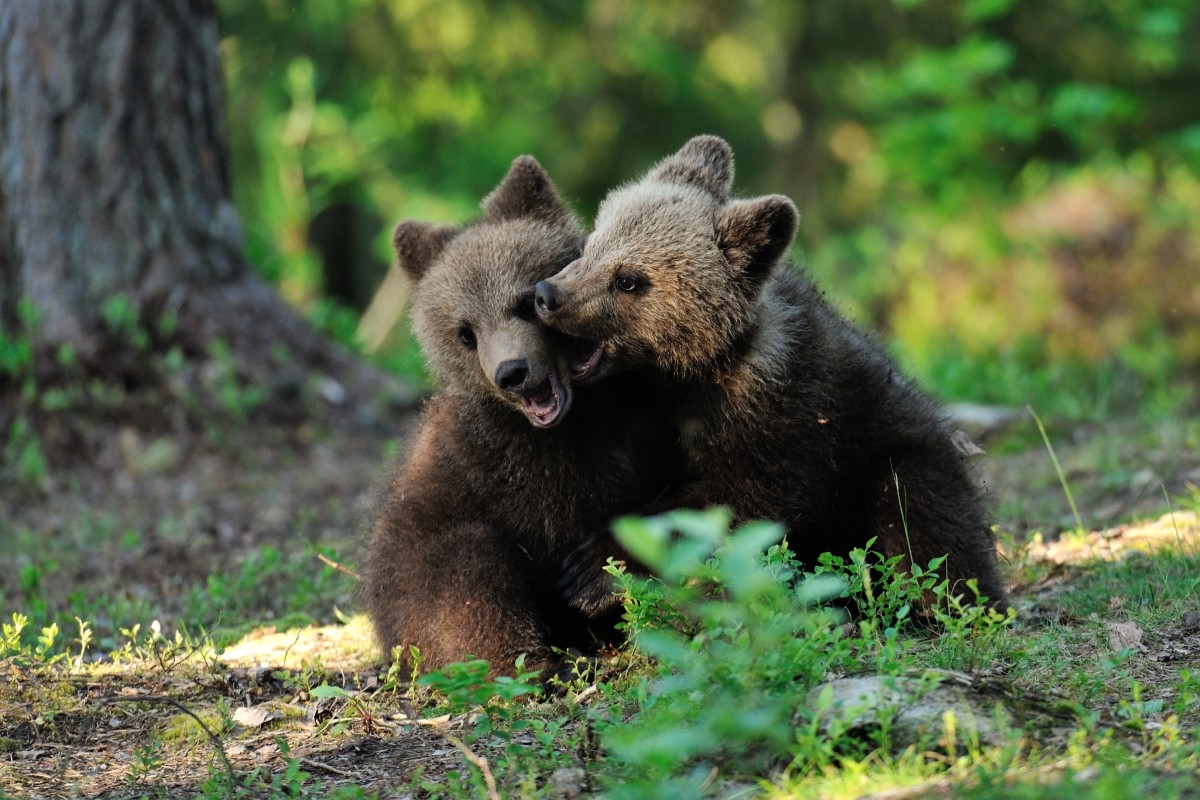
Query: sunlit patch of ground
{"points": [[343, 648], [180, 723], [1178, 531]]}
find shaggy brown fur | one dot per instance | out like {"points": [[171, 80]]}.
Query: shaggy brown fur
{"points": [[501, 494], [785, 409]]}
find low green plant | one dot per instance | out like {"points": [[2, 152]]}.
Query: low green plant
{"points": [[23, 450], [739, 634], [235, 397], [121, 318], [355, 708], [16, 350], [464, 686], [147, 759]]}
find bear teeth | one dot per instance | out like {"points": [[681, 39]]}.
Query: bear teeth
{"points": [[586, 367], [545, 404]]}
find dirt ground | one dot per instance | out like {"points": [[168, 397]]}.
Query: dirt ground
{"points": [[148, 517]]}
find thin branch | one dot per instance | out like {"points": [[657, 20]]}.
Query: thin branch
{"points": [[170, 701], [335, 565], [478, 761], [311, 762]]}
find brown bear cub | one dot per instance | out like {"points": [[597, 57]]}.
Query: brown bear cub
{"points": [[785, 410], [499, 486]]}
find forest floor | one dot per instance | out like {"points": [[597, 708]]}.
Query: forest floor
{"points": [[223, 657]]}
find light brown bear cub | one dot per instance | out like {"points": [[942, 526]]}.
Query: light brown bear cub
{"points": [[785, 410], [476, 537]]}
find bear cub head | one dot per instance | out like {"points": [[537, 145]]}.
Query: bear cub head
{"points": [[473, 298], [671, 275]]}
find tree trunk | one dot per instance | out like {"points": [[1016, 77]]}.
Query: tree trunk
{"points": [[114, 193]]}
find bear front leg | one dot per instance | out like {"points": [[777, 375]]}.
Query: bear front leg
{"points": [[583, 582]]}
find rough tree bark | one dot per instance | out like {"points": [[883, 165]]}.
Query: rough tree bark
{"points": [[113, 181]]}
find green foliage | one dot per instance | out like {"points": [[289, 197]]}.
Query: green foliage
{"points": [[123, 322], [466, 686], [740, 634], [16, 356], [23, 452], [975, 174], [267, 582], [147, 759], [21, 456], [236, 396]]}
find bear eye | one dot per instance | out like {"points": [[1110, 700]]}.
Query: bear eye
{"points": [[524, 309], [626, 282], [465, 335]]}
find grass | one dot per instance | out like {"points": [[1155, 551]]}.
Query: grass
{"points": [[715, 698], [1058, 470], [269, 585]]}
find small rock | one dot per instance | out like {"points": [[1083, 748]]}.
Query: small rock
{"points": [[567, 783], [1143, 478], [1125, 636], [332, 392], [914, 709], [146, 459]]}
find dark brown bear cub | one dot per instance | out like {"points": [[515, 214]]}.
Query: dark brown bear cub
{"points": [[785, 410], [500, 486]]}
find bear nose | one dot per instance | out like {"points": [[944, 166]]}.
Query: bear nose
{"points": [[544, 297], [511, 374]]}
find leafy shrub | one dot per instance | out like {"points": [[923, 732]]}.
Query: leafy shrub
{"points": [[739, 635]]}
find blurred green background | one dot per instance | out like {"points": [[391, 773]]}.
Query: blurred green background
{"points": [[1007, 190]]}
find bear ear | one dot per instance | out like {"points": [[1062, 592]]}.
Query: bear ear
{"points": [[704, 161], [754, 234], [526, 191], [418, 244]]}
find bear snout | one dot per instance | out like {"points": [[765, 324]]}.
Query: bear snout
{"points": [[512, 374], [545, 298]]}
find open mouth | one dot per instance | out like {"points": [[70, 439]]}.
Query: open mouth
{"points": [[544, 403], [587, 366]]}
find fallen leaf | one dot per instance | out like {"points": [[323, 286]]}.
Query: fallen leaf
{"points": [[1124, 636], [253, 716], [434, 721]]}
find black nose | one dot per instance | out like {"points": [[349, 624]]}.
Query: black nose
{"points": [[545, 298], [511, 374]]}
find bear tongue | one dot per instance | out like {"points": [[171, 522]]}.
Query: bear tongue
{"points": [[544, 404]]}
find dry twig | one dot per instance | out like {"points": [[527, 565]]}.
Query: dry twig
{"points": [[478, 761], [329, 562]]}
